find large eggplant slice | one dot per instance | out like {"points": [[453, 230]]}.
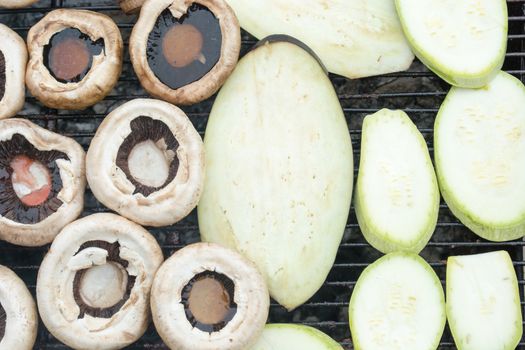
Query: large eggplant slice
{"points": [[292, 336], [354, 38], [279, 168], [464, 42], [479, 145], [397, 194], [483, 302]]}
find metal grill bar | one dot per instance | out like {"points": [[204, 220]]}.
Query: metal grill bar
{"points": [[417, 91]]}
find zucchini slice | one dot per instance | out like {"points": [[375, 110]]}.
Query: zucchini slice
{"points": [[279, 169], [291, 336], [464, 42], [354, 38], [398, 303], [397, 195], [479, 140], [483, 302]]}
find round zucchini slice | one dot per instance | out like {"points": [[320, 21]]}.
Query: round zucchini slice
{"points": [[464, 42], [479, 142]]}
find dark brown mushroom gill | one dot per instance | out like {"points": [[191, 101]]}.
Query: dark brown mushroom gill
{"points": [[3, 321], [160, 159], [12, 206], [69, 55], [120, 287], [182, 51], [208, 300], [2, 75]]}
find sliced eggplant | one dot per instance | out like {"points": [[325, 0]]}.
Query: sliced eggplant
{"points": [[483, 302], [479, 145], [397, 195], [292, 336], [354, 38], [397, 304], [464, 42], [275, 130]]}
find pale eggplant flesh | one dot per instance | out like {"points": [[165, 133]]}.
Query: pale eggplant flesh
{"points": [[279, 171], [282, 336], [354, 38]]}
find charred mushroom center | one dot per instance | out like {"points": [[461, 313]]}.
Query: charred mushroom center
{"points": [[29, 181], [178, 52], [3, 321], [208, 301], [101, 290], [148, 155], [2, 75], [69, 55]]}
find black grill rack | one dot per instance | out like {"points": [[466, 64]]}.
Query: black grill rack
{"points": [[416, 91]]}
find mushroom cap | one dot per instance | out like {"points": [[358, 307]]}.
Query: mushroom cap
{"points": [[211, 81], [14, 50], [130, 6], [250, 295], [105, 69], [110, 184], [21, 317], [54, 289], [16, 4], [72, 173]]}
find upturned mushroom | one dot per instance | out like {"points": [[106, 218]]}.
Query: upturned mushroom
{"points": [[13, 60], [42, 182], [183, 50], [93, 286], [75, 58], [146, 162], [209, 297]]}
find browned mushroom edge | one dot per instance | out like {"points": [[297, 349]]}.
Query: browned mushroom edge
{"points": [[16, 4]]}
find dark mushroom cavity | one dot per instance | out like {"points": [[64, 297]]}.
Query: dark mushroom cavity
{"points": [[3, 321], [101, 290], [148, 155], [208, 301], [182, 50], [2, 75], [29, 181], [69, 55]]}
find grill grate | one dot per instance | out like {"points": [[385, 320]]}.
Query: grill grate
{"points": [[417, 91]]}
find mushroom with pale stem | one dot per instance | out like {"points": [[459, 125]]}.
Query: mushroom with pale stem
{"points": [[209, 297], [93, 286], [146, 162], [18, 317], [183, 50], [43, 182], [13, 59], [75, 58]]}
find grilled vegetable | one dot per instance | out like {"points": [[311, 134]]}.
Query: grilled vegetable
{"points": [[354, 38], [479, 145], [291, 336], [397, 304], [397, 196], [279, 169], [483, 302], [464, 42]]}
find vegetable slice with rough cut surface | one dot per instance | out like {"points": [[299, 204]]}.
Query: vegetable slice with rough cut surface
{"points": [[397, 195], [354, 38], [483, 302], [397, 304], [464, 42], [292, 336], [479, 140], [279, 168]]}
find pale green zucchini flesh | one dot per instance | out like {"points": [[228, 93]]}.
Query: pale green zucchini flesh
{"points": [[397, 195], [398, 303], [354, 38], [279, 169], [479, 140], [291, 336], [483, 302], [464, 42]]}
